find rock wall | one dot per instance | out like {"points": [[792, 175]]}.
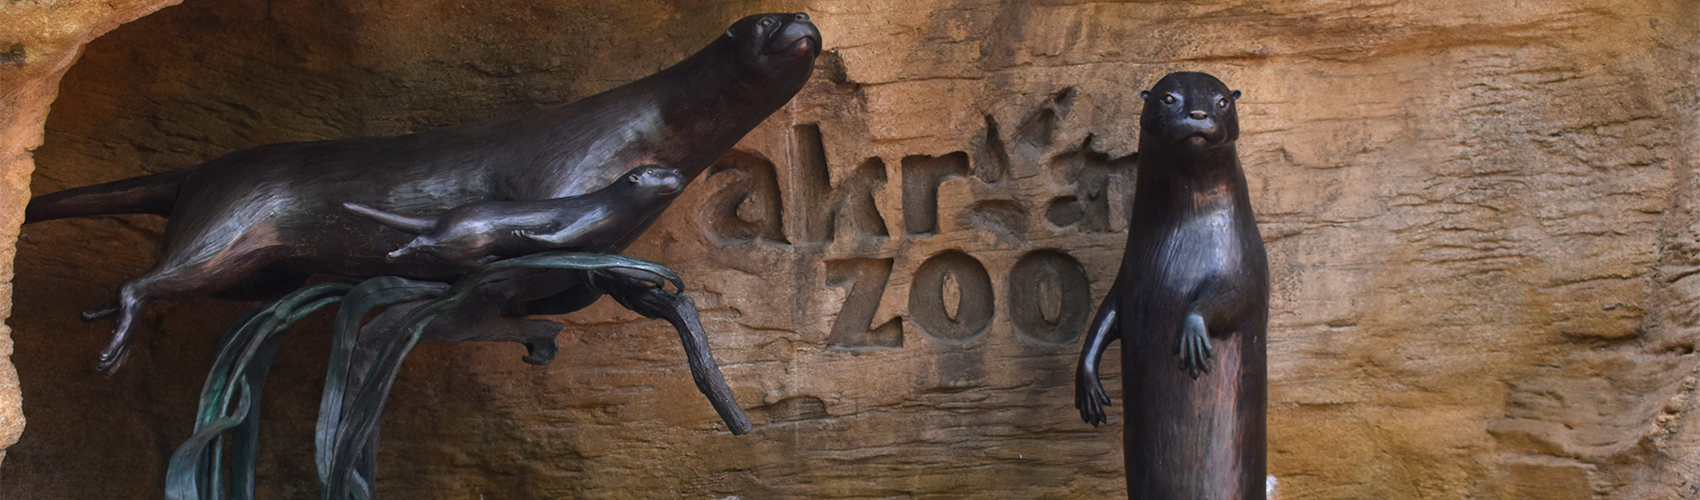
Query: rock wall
{"points": [[1479, 217], [38, 43]]}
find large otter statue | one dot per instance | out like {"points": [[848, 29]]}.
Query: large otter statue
{"points": [[1190, 306], [256, 222]]}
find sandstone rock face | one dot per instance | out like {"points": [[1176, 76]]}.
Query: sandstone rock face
{"points": [[37, 44], [1480, 218]]}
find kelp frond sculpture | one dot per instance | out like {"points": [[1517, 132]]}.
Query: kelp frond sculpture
{"points": [[364, 362]]}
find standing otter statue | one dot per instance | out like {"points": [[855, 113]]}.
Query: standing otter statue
{"points": [[1190, 306], [478, 233], [257, 222]]}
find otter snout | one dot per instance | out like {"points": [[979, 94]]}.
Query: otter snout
{"points": [[1200, 130], [798, 33], [670, 186], [669, 183]]}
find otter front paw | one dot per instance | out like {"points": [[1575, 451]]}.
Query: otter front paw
{"points": [[1089, 398], [1194, 347]]}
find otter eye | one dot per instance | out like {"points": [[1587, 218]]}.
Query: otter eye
{"points": [[767, 22], [1222, 103], [1168, 98]]}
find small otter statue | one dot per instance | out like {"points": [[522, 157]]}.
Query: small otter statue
{"points": [[485, 231]]}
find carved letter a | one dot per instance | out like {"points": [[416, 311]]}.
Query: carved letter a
{"points": [[823, 205]]}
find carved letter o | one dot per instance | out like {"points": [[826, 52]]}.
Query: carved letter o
{"points": [[1049, 297], [974, 305]]}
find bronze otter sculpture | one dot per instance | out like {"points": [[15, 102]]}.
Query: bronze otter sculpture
{"points": [[1190, 306], [478, 233], [256, 222]]}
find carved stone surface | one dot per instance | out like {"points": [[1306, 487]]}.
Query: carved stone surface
{"points": [[1480, 223], [38, 43]]}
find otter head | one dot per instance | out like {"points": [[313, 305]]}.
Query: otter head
{"points": [[652, 180], [780, 47], [1193, 111]]}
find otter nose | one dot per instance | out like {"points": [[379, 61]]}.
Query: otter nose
{"points": [[1197, 114]]}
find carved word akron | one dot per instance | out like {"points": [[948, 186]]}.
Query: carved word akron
{"points": [[951, 296]]}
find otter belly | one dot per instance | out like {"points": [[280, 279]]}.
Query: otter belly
{"points": [[1186, 438]]}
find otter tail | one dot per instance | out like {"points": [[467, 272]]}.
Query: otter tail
{"points": [[149, 194], [415, 225]]}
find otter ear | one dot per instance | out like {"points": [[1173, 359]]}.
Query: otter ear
{"points": [[1236, 95], [1145, 95]]}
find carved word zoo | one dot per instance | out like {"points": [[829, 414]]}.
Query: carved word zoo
{"points": [[951, 295]]}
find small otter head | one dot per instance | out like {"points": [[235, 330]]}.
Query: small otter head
{"points": [[780, 46], [652, 180], [1191, 110]]}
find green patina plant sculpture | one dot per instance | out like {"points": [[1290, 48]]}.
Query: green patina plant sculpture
{"points": [[364, 363]]}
